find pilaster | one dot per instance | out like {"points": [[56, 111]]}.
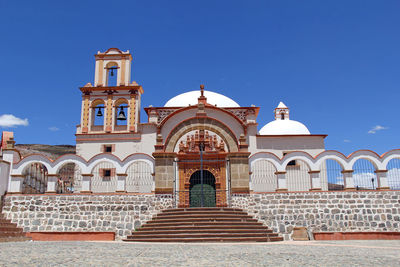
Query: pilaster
{"points": [[381, 176], [121, 182], [315, 180], [86, 183], [281, 177], [348, 179], [52, 180]]}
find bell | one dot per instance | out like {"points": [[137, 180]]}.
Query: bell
{"points": [[112, 72], [121, 114], [99, 113]]}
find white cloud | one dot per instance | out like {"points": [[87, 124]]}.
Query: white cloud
{"points": [[346, 140], [9, 120], [377, 128], [54, 128]]}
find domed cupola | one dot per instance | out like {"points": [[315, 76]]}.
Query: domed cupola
{"points": [[282, 125], [191, 98]]}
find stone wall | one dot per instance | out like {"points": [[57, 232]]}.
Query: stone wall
{"points": [[118, 213], [344, 211]]}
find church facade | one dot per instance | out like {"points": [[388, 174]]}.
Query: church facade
{"points": [[199, 149], [225, 133]]}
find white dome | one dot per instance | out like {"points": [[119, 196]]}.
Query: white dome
{"points": [[190, 98], [284, 127]]}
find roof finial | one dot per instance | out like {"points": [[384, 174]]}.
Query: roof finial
{"points": [[202, 89]]}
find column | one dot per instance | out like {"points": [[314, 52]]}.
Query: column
{"points": [[132, 111], [109, 113], [281, 177], [315, 180], [52, 180], [381, 176], [348, 180], [87, 183], [121, 182], [85, 113]]}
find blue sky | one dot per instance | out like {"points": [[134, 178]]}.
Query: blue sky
{"points": [[336, 64]]}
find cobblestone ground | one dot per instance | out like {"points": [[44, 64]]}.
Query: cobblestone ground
{"points": [[313, 253]]}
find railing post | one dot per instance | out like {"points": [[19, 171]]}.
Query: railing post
{"points": [[348, 179], [281, 177], [52, 183], [315, 180], [381, 176], [87, 183], [121, 182]]}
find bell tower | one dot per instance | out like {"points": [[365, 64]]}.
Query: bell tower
{"points": [[112, 105], [281, 112]]}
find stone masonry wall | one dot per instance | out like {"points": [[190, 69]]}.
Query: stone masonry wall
{"points": [[87, 213], [344, 211]]}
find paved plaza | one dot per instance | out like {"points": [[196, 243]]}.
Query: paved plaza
{"points": [[312, 253]]}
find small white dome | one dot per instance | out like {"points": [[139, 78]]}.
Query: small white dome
{"points": [[190, 98], [284, 127]]}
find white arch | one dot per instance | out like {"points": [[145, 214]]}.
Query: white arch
{"points": [[116, 162], [70, 158], [299, 155], [34, 158], [333, 155], [265, 156], [368, 155], [388, 156], [135, 157]]}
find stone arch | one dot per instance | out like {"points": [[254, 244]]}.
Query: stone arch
{"points": [[201, 124]]}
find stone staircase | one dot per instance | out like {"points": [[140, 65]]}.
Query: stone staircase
{"points": [[9, 232], [203, 225]]}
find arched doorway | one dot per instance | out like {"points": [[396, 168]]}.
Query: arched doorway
{"points": [[205, 190]]}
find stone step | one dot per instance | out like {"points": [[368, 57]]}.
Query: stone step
{"points": [[11, 228], [198, 235], [198, 216], [7, 224], [201, 209], [205, 227], [10, 234], [202, 231], [15, 239], [201, 223], [200, 212], [191, 219], [210, 239]]}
